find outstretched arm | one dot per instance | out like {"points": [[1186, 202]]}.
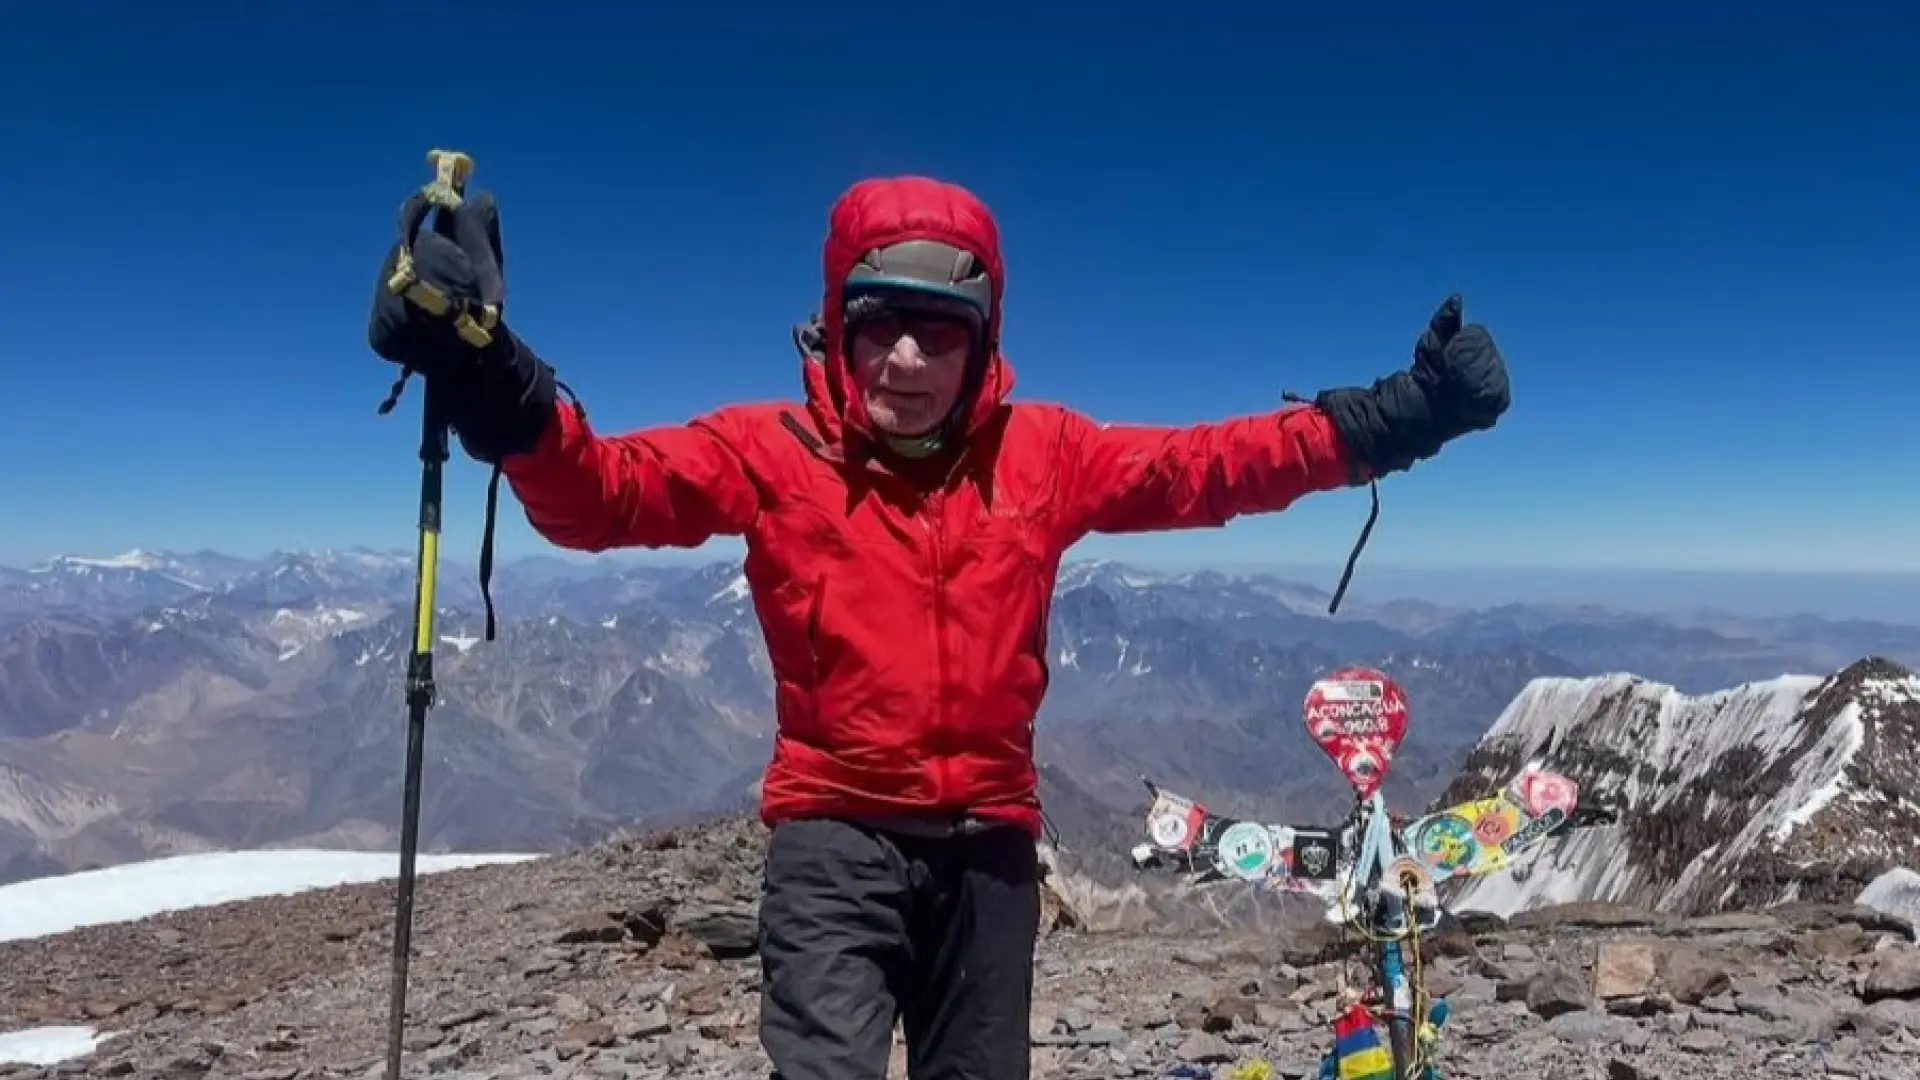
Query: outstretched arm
{"points": [[670, 486], [1137, 478]]}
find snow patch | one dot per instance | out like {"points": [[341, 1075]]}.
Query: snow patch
{"points": [[463, 642], [1077, 574], [733, 592], [320, 618], [132, 891], [49, 1045], [135, 559], [1830, 757], [1895, 893]]}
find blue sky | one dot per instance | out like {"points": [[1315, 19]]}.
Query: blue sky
{"points": [[1696, 235]]}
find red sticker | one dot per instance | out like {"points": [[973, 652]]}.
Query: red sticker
{"points": [[1174, 822], [1540, 791], [1358, 716]]}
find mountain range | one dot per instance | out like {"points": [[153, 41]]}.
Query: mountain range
{"points": [[159, 703]]}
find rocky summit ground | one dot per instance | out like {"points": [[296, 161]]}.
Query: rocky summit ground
{"points": [[632, 960]]}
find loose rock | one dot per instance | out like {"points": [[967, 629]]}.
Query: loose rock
{"points": [[632, 961]]}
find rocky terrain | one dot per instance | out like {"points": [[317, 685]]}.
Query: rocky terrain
{"points": [[156, 704], [632, 960]]}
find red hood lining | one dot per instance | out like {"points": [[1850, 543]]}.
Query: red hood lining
{"points": [[875, 213]]}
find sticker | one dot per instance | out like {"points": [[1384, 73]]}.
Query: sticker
{"points": [[1211, 826], [1540, 791], [1493, 820], [1283, 850], [1404, 872], [1534, 830], [1315, 854], [1362, 766], [1357, 716], [1245, 850], [1445, 842], [1173, 820], [1169, 830]]}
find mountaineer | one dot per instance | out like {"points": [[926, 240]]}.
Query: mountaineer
{"points": [[903, 527]]}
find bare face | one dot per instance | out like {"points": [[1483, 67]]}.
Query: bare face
{"points": [[908, 368]]}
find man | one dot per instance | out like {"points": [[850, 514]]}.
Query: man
{"points": [[903, 530]]}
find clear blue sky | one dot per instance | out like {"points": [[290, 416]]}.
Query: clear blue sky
{"points": [[1696, 235]]}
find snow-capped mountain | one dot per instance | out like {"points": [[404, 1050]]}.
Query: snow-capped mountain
{"points": [[129, 580], [137, 580], [1794, 788]]}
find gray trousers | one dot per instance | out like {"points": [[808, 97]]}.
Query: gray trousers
{"points": [[860, 927]]}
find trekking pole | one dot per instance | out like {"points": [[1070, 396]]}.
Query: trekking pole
{"points": [[446, 191], [420, 697]]}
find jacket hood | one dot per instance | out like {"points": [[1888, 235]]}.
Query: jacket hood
{"points": [[876, 213]]}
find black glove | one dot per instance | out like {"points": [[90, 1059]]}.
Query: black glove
{"points": [[498, 397], [1457, 385]]}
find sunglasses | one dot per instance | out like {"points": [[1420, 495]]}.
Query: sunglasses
{"points": [[936, 334]]}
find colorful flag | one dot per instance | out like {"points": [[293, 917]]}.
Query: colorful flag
{"points": [[1357, 1053]]}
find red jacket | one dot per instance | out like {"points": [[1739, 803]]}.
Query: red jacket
{"points": [[906, 618]]}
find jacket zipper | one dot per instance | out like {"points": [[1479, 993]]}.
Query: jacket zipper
{"points": [[936, 507]]}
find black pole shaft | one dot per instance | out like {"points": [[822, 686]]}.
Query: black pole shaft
{"points": [[420, 697]]}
